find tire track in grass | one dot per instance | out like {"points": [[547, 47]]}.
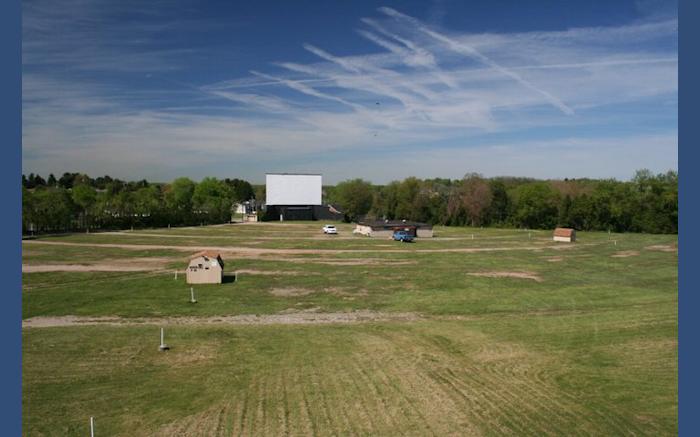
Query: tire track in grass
{"points": [[321, 400], [429, 399], [220, 421], [405, 377], [490, 420], [260, 416], [533, 385], [508, 407], [300, 422], [306, 405], [283, 404], [405, 406], [522, 389], [347, 378], [568, 409], [231, 417], [244, 409], [236, 418], [343, 395], [388, 410], [393, 348], [510, 393]]}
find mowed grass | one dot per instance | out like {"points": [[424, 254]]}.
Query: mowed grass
{"points": [[586, 344]]}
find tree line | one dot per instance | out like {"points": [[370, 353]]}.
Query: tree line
{"points": [[648, 203], [78, 202]]}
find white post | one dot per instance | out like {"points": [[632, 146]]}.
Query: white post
{"points": [[163, 346], [615, 242], [176, 275], [472, 236], [192, 299], [92, 426]]}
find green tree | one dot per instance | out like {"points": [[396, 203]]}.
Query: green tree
{"points": [[51, 209], [84, 197], [406, 193], [178, 199], [500, 203], [535, 205], [470, 200], [355, 197], [147, 204], [212, 199]]}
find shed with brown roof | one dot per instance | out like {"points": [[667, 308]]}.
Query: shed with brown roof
{"points": [[205, 267], [567, 235]]}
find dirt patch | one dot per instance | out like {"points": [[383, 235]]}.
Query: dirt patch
{"points": [[336, 291], [518, 275], [663, 248], [554, 259], [273, 272], [116, 265], [286, 318], [362, 262], [255, 251], [291, 292], [625, 254]]}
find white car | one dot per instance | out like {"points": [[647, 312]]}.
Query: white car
{"points": [[330, 229]]}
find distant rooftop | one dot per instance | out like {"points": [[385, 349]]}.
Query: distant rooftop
{"points": [[387, 224]]}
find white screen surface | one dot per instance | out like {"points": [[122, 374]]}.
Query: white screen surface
{"points": [[292, 189]]}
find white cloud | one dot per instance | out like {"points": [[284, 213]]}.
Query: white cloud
{"points": [[422, 89]]}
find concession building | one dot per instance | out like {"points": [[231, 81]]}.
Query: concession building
{"points": [[386, 228]]}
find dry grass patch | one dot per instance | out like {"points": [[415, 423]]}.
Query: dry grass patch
{"points": [[625, 254], [663, 248], [108, 265], [335, 291], [286, 317], [518, 275], [554, 259]]}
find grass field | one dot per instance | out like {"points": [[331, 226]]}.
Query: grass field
{"points": [[473, 332]]}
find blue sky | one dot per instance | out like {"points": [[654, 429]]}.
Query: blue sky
{"points": [[378, 90]]}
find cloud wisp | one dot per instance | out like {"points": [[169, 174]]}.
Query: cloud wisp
{"points": [[419, 88]]}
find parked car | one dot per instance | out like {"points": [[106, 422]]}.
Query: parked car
{"points": [[403, 236], [330, 229]]}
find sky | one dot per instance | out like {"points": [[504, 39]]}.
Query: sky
{"points": [[384, 90]]}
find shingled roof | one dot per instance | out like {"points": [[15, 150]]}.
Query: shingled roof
{"points": [[210, 254], [564, 232]]}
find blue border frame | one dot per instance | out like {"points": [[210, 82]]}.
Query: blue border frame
{"points": [[688, 233], [10, 239]]}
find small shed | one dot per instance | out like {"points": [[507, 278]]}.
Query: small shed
{"points": [[205, 267], [567, 235]]}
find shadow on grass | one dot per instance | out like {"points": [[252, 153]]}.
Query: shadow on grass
{"points": [[228, 278]]}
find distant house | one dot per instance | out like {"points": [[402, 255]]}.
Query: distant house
{"points": [[567, 235], [386, 228], [205, 268], [247, 211]]}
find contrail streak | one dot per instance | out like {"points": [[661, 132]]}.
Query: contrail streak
{"points": [[473, 53]]}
